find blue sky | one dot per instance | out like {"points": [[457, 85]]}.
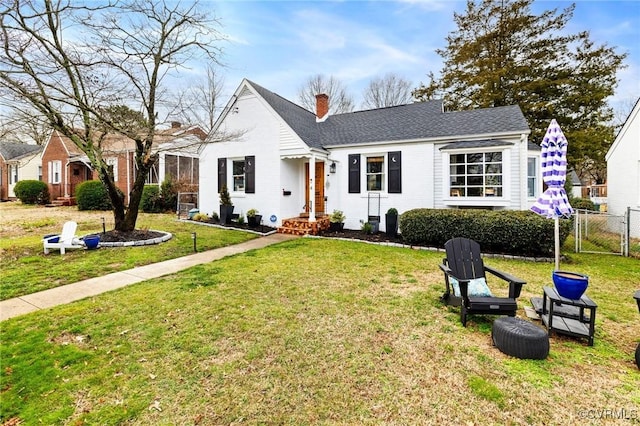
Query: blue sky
{"points": [[279, 44]]}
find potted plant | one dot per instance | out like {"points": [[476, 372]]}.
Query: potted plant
{"points": [[336, 221], [226, 206], [391, 222], [253, 218]]}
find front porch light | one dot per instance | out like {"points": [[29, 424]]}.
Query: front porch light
{"points": [[332, 167]]}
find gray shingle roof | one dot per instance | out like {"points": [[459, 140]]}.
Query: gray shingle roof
{"points": [[421, 120], [10, 150]]}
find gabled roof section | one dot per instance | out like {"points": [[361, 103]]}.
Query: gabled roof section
{"points": [[416, 121], [10, 150], [301, 121], [421, 120]]}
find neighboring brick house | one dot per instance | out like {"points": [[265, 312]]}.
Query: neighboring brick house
{"points": [[18, 161], [65, 166]]}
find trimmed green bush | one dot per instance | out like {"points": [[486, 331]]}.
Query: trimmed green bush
{"points": [[583, 204], [521, 233], [32, 192], [92, 195], [169, 195], [151, 202]]}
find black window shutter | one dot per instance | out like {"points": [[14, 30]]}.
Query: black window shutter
{"points": [[395, 172], [222, 173], [250, 174], [354, 173]]}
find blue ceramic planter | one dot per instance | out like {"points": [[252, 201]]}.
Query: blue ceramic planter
{"points": [[91, 241], [570, 284]]}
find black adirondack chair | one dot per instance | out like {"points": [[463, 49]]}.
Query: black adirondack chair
{"points": [[464, 266]]}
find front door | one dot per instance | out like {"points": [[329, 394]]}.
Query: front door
{"points": [[319, 196]]}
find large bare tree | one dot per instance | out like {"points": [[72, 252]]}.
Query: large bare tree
{"points": [[72, 60], [199, 104], [387, 91], [340, 101]]}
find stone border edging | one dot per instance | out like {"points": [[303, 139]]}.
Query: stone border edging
{"points": [[165, 237], [390, 244]]}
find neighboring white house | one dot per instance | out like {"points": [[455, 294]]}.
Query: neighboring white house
{"points": [[18, 161], [363, 163], [623, 168]]}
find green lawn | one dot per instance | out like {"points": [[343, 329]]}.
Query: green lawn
{"points": [[25, 269], [316, 331]]}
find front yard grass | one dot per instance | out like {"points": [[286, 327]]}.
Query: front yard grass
{"points": [[25, 269], [316, 331]]}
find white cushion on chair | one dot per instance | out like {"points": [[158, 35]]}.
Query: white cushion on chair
{"points": [[477, 287]]}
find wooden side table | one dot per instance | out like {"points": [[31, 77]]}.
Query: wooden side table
{"points": [[554, 321]]}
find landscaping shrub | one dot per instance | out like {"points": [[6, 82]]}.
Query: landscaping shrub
{"points": [[32, 192], [583, 204], [521, 233], [169, 195], [92, 195], [151, 202]]}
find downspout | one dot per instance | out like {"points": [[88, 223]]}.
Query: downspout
{"points": [[522, 178]]}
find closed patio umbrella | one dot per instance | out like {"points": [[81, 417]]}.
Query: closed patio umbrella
{"points": [[553, 203]]}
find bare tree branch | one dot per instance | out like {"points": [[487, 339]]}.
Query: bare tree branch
{"points": [[340, 101], [390, 90], [71, 60]]}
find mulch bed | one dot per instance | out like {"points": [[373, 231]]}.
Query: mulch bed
{"points": [[123, 237], [138, 234]]}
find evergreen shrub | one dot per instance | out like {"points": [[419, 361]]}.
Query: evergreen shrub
{"points": [[151, 202], [32, 192], [92, 195], [583, 204], [521, 233]]}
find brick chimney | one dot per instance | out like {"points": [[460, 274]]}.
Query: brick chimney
{"points": [[322, 107]]}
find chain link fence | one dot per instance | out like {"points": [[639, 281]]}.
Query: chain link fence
{"points": [[633, 232], [601, 232]]}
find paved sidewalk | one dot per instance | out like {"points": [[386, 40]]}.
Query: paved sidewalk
{"points": [[93, 286]]}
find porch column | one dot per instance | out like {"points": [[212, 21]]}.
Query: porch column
{"points": [[67, 182], [312, 188]]}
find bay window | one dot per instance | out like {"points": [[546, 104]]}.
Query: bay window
{"points": [[476, 174]]}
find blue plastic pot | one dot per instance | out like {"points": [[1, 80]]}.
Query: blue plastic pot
{"points": [[91, 241], [52, 238], [570, 284]]}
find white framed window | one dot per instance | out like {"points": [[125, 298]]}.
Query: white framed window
{"points": [[112, 164], [55, 171], [40, 173], [476, 174], [13, 174], [375, 173], [532, 177], [238, 171]]}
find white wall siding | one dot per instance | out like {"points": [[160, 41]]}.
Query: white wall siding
{"points": [[417, 182], [261, 136], [623, 169]]}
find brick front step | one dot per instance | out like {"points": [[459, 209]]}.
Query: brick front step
{"points": [[62, 201], [302, 226]]}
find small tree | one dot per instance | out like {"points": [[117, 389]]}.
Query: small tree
{"points": [[225, 198]]}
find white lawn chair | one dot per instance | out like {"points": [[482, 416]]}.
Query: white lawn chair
{"points": [[66, 240]]}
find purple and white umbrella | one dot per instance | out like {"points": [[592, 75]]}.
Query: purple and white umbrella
{"points": [[553, 203]]}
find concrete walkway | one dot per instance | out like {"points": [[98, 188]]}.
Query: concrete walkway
{"points": [[93, 286]]}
